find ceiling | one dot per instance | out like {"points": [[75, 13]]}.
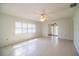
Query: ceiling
{"points": [[32, 11]]}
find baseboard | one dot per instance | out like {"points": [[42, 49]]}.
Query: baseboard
{"points": [[65, 39]]}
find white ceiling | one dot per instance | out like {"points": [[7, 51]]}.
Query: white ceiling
{"points": [[33, 10]]}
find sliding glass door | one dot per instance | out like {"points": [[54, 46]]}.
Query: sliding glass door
{"points": [[54, 30]]}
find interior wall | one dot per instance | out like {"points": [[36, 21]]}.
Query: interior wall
{"points": [[0, 30], [7, 30], [76, 28], [65, 28]]}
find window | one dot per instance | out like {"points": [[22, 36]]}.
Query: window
{"points": [[18, 27], [25, 28], [31, 28]]}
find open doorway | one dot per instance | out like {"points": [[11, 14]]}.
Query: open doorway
{"points": [[53, 30]]}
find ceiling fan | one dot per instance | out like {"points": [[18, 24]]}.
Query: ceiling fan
{"points": [[43, 16]]}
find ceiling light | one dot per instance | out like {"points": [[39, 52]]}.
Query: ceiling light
{"points": [[43, 16]]}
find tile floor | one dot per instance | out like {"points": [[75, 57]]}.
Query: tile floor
{"points": [[51, 46]]}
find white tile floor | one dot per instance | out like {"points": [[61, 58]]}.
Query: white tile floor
{"points": [[40, 47]]}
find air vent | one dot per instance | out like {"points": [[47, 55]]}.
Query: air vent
{"points": [[73, 5]]}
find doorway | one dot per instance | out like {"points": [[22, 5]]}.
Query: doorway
{"points": [[53, 30]]}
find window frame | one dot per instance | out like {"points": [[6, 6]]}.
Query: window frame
{"points": [[24, 27]]}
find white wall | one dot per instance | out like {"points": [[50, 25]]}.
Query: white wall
{"points": [[7, 30], [65, 28], [0, 29], [76, 28]]}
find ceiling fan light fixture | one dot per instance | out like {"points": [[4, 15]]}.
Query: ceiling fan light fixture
{"points": [[42, 20], [43, 17]]}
